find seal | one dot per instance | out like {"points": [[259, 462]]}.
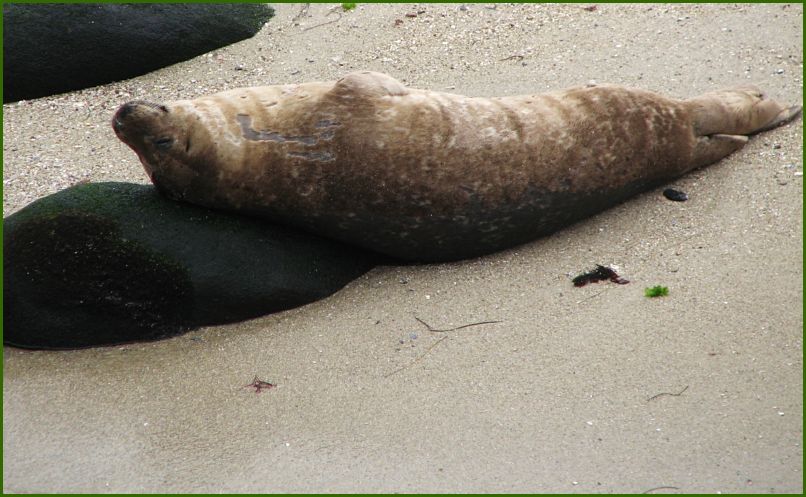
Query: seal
{"points": [[430, 176]]}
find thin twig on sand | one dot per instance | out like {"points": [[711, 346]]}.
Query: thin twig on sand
{"points": [[303, 10], [592, 296], [417, 359], [430, 328], [667, 393], [659, 488], [326, 22]]}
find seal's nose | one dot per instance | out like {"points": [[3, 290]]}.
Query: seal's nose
{"points": [[120, 115], [125, 110], [128, 108], [130, 111]]}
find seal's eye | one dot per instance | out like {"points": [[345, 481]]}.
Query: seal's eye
{"points": [[164, 143]]}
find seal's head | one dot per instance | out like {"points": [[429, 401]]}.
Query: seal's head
{"points": [[164, 141]]}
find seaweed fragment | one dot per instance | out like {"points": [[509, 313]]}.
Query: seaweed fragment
{"points": [[656, 291], [600, 273], [260, 385]]}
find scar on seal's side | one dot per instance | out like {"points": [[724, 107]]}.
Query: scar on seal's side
{"points": [[431, 176]]}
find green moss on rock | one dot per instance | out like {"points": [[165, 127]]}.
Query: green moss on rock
{"points": [[73, 271], [106, 263]]}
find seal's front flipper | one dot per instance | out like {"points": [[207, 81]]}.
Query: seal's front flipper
{"points": [[710, 149], [368, 84]]}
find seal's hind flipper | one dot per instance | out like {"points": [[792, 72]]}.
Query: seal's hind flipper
{"points": [[782, 118], [710, 149], [738, 111]]}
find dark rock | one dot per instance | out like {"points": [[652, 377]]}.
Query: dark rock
{"points": [[54, 48], [675, 195], [106, 263]]}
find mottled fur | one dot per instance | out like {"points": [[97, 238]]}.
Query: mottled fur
{"points": [[426, 175]]}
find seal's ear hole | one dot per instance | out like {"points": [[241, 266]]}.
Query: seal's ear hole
{"points": [[163, 108], [164, 143]]}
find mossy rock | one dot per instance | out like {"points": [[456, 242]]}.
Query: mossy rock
{"points": [[54, 48], [107, 263]]}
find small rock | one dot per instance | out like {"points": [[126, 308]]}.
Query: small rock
{"points": [[675, 195]]}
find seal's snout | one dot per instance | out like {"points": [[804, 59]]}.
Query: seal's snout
{"points": [[124, 111], [130, 109], [120, 115], [136, 111], [134, 104]]}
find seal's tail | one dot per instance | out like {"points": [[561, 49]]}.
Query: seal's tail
{"points": [[724, 119]]}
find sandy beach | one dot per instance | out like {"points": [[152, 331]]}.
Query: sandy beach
{"points": [[592, 389]]}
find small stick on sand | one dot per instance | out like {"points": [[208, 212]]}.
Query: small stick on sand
{"points": [[667, 393], [325, 23], [430, 328], [516, 56], [594, 295], [417, 359], [659, 488], [302, 12]]}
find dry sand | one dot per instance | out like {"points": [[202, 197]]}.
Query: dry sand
{"points": [[556, 398]]}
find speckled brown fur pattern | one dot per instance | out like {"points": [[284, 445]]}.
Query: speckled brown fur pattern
{"points": [[430, 176]]}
